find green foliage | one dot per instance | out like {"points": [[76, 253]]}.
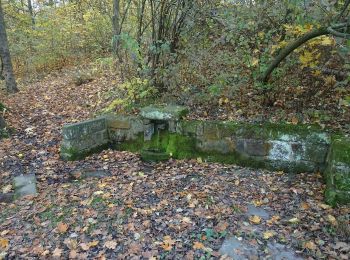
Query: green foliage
{"points": [[135, 92]]}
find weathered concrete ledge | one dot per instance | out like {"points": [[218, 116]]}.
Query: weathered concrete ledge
{"points": [[272, 146]]}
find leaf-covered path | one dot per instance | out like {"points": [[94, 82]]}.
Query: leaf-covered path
{"points": [[172, 210]]}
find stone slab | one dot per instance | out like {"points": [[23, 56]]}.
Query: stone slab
{"points": [[25, 185], [83, 129], [169, 112]]}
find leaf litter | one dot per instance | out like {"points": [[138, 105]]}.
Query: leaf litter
{"points": [[181, 209]]}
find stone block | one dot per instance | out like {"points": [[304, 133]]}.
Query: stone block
{"points": [[119, 124], [79, 130], [164, 113], [211, 131], [337, 173], [222, 146], [252, 147], [25, 185]]}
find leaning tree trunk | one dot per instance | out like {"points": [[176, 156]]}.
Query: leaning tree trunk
{"points": [[11, 84], [290, 48]]}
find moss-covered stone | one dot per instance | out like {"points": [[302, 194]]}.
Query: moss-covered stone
{"points": [[335, 197], [337, 173], [73, 154], [154, 155]]}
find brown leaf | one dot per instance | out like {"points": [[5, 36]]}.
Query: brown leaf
{"points": [[167, 243], [198, 245], [57, 252], [62, 227]]}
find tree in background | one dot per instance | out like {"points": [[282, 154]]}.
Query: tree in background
{"points": [[11, 84]]}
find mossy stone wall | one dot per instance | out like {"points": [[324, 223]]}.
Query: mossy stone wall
{"points": [[337, 173], [272, 146]]}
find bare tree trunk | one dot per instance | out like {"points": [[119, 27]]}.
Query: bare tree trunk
{"points": [[30, 10], [116, 23], [11, 84]]}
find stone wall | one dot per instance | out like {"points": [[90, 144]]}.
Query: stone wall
{"points": [[83, 138], [337, 174], [284, 147], [272, 146]]}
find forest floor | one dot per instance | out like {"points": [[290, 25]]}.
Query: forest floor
{"points": [[173, 210]]}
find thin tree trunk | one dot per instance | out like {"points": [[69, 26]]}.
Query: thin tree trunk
{"points": [[30, 10], [11, 84], [116, 23]]}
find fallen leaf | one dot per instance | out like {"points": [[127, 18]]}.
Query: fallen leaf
{"points": [[168, 243], [110, 244], [331, 219], [255, 219], [305, 206], [310, 245], [294, 120], [57, 252], [7, 189], [73, 254], [84, 246], [198, 245], [293, 220], [4, 243], [62, 227], [93, 243], [268, 234]]}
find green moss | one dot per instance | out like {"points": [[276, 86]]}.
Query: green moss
{"points": [[334, 197], [72, 154], [340, 149], [154, 155]]}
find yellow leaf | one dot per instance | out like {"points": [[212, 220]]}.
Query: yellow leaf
{"points": [[268, 234], [331, 219], [255, 219], [199, 160], [7, 188], [293, 220], [258, 203], [310, 245], [324, 206], [198, 245], [4, 243], [93, 243], [255, 62], [326, 41]]}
